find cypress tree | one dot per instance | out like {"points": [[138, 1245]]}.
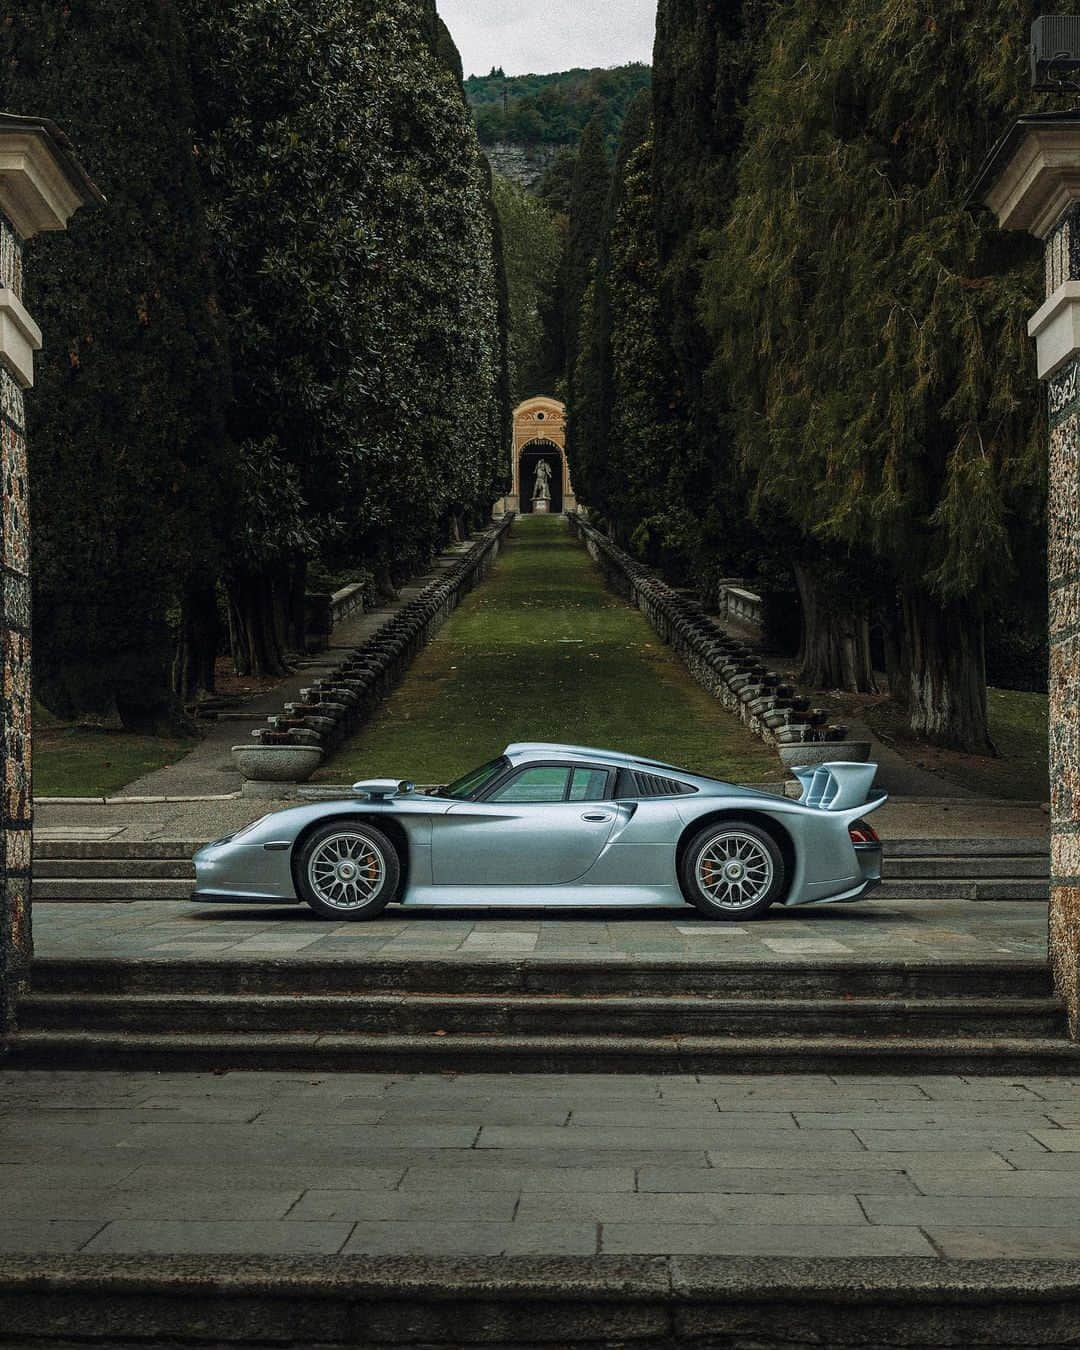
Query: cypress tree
{"points": [[873, 327], [584, 240], [593, 393], [356, 250], [130, 465]]}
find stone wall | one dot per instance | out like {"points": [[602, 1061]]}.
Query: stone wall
{"points": [[15, 942], [1063, 394], [523, 164], [729, 669]]}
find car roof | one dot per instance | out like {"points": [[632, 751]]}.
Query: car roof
{"points": [[522, 751]]}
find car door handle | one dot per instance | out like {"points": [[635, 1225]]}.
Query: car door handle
{"points": [[598, 816]]}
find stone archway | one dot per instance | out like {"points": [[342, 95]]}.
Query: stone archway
{"points": [[539, 432]]}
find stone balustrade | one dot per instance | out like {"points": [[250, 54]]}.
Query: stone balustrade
{"points": [[729, 669], [737, 604], [293, 743]]}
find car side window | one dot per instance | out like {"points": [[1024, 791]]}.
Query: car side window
{"points": [[588, 785], [540, 783]]}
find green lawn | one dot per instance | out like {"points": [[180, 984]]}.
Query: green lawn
{"points": [[73, 761], [542, 650]]}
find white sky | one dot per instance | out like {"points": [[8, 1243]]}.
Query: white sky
{"points": [[537, 37]]}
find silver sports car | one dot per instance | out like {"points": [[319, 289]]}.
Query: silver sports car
{"points": [[559, 825]]}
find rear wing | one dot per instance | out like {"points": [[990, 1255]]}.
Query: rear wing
{"points": [[838, 787]]}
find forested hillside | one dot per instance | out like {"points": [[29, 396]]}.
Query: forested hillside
{"points": [[800, 356], [282, 343], [553, 110]]}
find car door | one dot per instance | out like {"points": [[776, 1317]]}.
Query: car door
{"points": [[543, 825]]}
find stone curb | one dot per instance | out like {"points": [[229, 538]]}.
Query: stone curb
{"points": [[636, 1302]]}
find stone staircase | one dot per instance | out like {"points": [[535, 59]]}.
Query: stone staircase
{"points": [[915, 869], [532, 1015]]}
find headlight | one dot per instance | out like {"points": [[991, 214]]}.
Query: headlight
{"points": [[247, 829]]}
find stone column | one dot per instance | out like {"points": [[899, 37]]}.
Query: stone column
{"points": [[1032, 182], [41, 186]]}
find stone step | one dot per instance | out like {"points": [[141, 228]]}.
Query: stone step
{"points": [[309, 1051], [74, 889], [535, 1302], [1005, 846], [115, 849], [298, 976], [989, 888], [115, 869], [968, 869], [537, 1015]]}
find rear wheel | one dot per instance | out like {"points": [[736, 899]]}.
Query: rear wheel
{"points": [[732, 870], [347, 870]]}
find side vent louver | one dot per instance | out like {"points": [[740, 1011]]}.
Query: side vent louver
{"points": [[653, 785]]}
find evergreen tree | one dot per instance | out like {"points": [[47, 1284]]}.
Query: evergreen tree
{"points": [[356, 249], [704, 59], [873, 328], [593, 393], [130, 471], [584, 241]]}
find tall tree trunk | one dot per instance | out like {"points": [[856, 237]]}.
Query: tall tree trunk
{"points": [[835, 651], [946, 684], [258, 638], [197, 642]]}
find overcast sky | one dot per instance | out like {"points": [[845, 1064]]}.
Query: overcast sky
{"points": [[536, 37]]}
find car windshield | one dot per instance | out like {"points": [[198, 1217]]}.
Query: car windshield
{"points": [[471, 783]]}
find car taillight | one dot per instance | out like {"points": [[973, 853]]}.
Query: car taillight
{"points": [[862, 832]]}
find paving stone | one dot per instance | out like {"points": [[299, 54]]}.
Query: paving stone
{"points": [[488, 1176], [172, 1237], [45, 1235], [967, 1211], [957, 1159], [1059, 1141], [683, 1115], [1015, 1243], [949, 1115], [472, 1239], [684, 1207], [22, 1202], [296, 1175], [763, 1240], [406, 1206], [1051, 1185], [948, 1138], [763, 1181], [630, 1136]]}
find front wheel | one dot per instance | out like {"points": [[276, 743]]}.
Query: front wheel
{"points": [[732, 870], [347, 870]]}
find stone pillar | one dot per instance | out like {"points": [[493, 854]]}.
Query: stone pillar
{"points": [[1032, 182], [41, 186]]}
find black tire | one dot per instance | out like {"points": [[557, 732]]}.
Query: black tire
{"points": [[338, 865], [761, 881]]}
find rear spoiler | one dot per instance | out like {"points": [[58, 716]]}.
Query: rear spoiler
{"points": [[378, 789], [841, 787]]}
